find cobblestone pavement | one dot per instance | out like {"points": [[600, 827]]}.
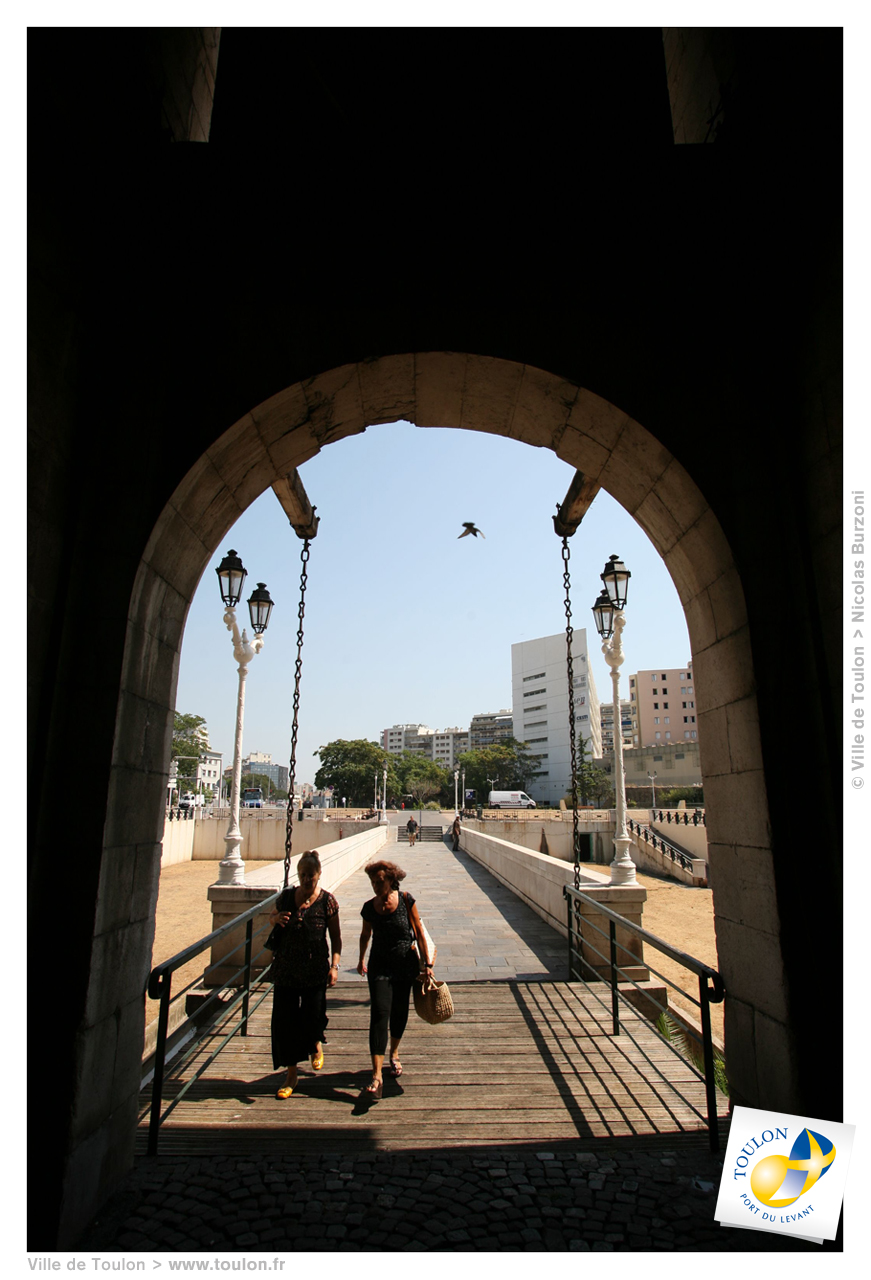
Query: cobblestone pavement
{"points": [[615, 1199]]}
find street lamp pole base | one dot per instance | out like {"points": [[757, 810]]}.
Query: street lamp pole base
{"points": [[231, 869], [622, 868]]}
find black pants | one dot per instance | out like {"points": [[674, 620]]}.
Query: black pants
{"points": [[388, 1010], [299, 1019]]}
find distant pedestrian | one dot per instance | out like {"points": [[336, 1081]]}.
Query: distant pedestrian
{"points": [[411, 828], [391, 920], [455, 832]]}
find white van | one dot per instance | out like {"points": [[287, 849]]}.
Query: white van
{"points": [[509, 800]]}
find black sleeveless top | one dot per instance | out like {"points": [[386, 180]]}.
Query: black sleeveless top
{"points": [[392, 936]]}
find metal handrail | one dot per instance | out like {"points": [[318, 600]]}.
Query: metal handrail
{"points": [[711, 987], [659, 842], [680, 817], [160, 988]]}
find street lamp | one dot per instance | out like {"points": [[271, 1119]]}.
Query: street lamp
{"points": [[383, 821], [652, 777], [464, 789], [231, 578], [456, 782], [608, 613]]}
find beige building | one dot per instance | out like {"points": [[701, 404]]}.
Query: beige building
{"points": [[663, 706], [441, 745], [490, 727], [606, 720], [676, 764]]}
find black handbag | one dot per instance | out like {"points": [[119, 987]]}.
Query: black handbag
{"points": [[273, 942]]}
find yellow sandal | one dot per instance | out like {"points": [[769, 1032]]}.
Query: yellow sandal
{"points": [[317, 1060], [285, 1092]]}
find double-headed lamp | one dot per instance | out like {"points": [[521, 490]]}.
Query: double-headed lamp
{"points": [[616, 579], [603, 612], [231, 577], [260, 607]]}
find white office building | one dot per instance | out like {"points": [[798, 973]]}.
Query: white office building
{"points": [[539, 683], [441, 745]]}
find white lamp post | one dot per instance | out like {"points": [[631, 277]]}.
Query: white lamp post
{"points": [[456, 782], [231, 576], [464, 789], [384, 798], [653, 776], [608, 613], [375, 805]]}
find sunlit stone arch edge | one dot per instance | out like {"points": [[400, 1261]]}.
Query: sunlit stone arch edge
{"points": [[521, 402]]}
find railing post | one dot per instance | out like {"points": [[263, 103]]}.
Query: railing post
{"points": [[246, 997], [615, 1014], [159, 1056], [708, 1051]]}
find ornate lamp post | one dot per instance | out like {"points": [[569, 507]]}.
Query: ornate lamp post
{"points": [[456, 781], [608, 613], [653, 776], [231, 576], [383, 821], [464, 789]]}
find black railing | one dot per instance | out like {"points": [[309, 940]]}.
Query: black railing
{"points": [[711, 988], [659, 842], [680, 817], [159, 988], [179, 814]]}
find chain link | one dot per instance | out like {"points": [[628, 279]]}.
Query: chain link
{"points": [[576, 841], [288, 839]]}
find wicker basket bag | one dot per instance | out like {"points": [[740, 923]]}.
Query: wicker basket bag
{"points": [[432, 1000]]}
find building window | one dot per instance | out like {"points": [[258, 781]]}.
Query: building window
{"points": [[532, 692], [689, 688], [657, 735], [668, 720], [664, 676], [655, 758], [540, 706], [540, 676], [631, 682], [692, 719], [534, 724], [694, 733], [679, 755], [665, 706], [687, 734], [530, 741], [656, 706], [667, 734], [656, 719], [686, 719]]}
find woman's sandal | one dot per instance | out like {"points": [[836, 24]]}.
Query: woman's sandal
{"points": [[317, 1060], [395, 1067], [285, 1091], [374, 1089]]}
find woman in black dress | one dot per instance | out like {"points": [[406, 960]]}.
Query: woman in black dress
{"points": [[302, 969], [391, 919]]}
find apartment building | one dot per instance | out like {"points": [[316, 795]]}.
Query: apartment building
{"points": [[442, 745], [490, 727], [539, 683], [663, 706], [261, 762], [209, 771], [606, 720]]}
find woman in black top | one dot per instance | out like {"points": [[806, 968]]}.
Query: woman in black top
{"points": [[302, 969], [391, 920]]}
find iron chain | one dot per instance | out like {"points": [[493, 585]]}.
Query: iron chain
{"points": [[576, 840], [288, 839]]}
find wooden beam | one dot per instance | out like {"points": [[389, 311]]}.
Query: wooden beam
{"points": [[575, 505], [291, 494]]}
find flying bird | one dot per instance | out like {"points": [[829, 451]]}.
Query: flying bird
{"points": [[469, 527]]}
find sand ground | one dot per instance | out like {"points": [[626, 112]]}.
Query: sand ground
{"points": [[679, 914]]}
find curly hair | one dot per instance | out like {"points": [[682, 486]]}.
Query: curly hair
{"points": [[309, 856], [381, 871]]}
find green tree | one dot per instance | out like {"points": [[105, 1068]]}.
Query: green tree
{"points": [[421, 778], [190, 741], [349, 767], [595, 786], [509, 763]]}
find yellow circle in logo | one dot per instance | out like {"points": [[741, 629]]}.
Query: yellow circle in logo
{"points": [[767, 1178]]}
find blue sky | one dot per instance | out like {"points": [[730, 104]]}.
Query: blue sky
{"points": [[404, 621]]}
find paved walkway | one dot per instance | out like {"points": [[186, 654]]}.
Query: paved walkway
{"points": [[480, 928]]}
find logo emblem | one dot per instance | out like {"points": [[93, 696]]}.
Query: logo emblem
{"points": [[779, 1180]]}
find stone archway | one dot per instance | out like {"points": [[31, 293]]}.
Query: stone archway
{"points": [[432, 389]]}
